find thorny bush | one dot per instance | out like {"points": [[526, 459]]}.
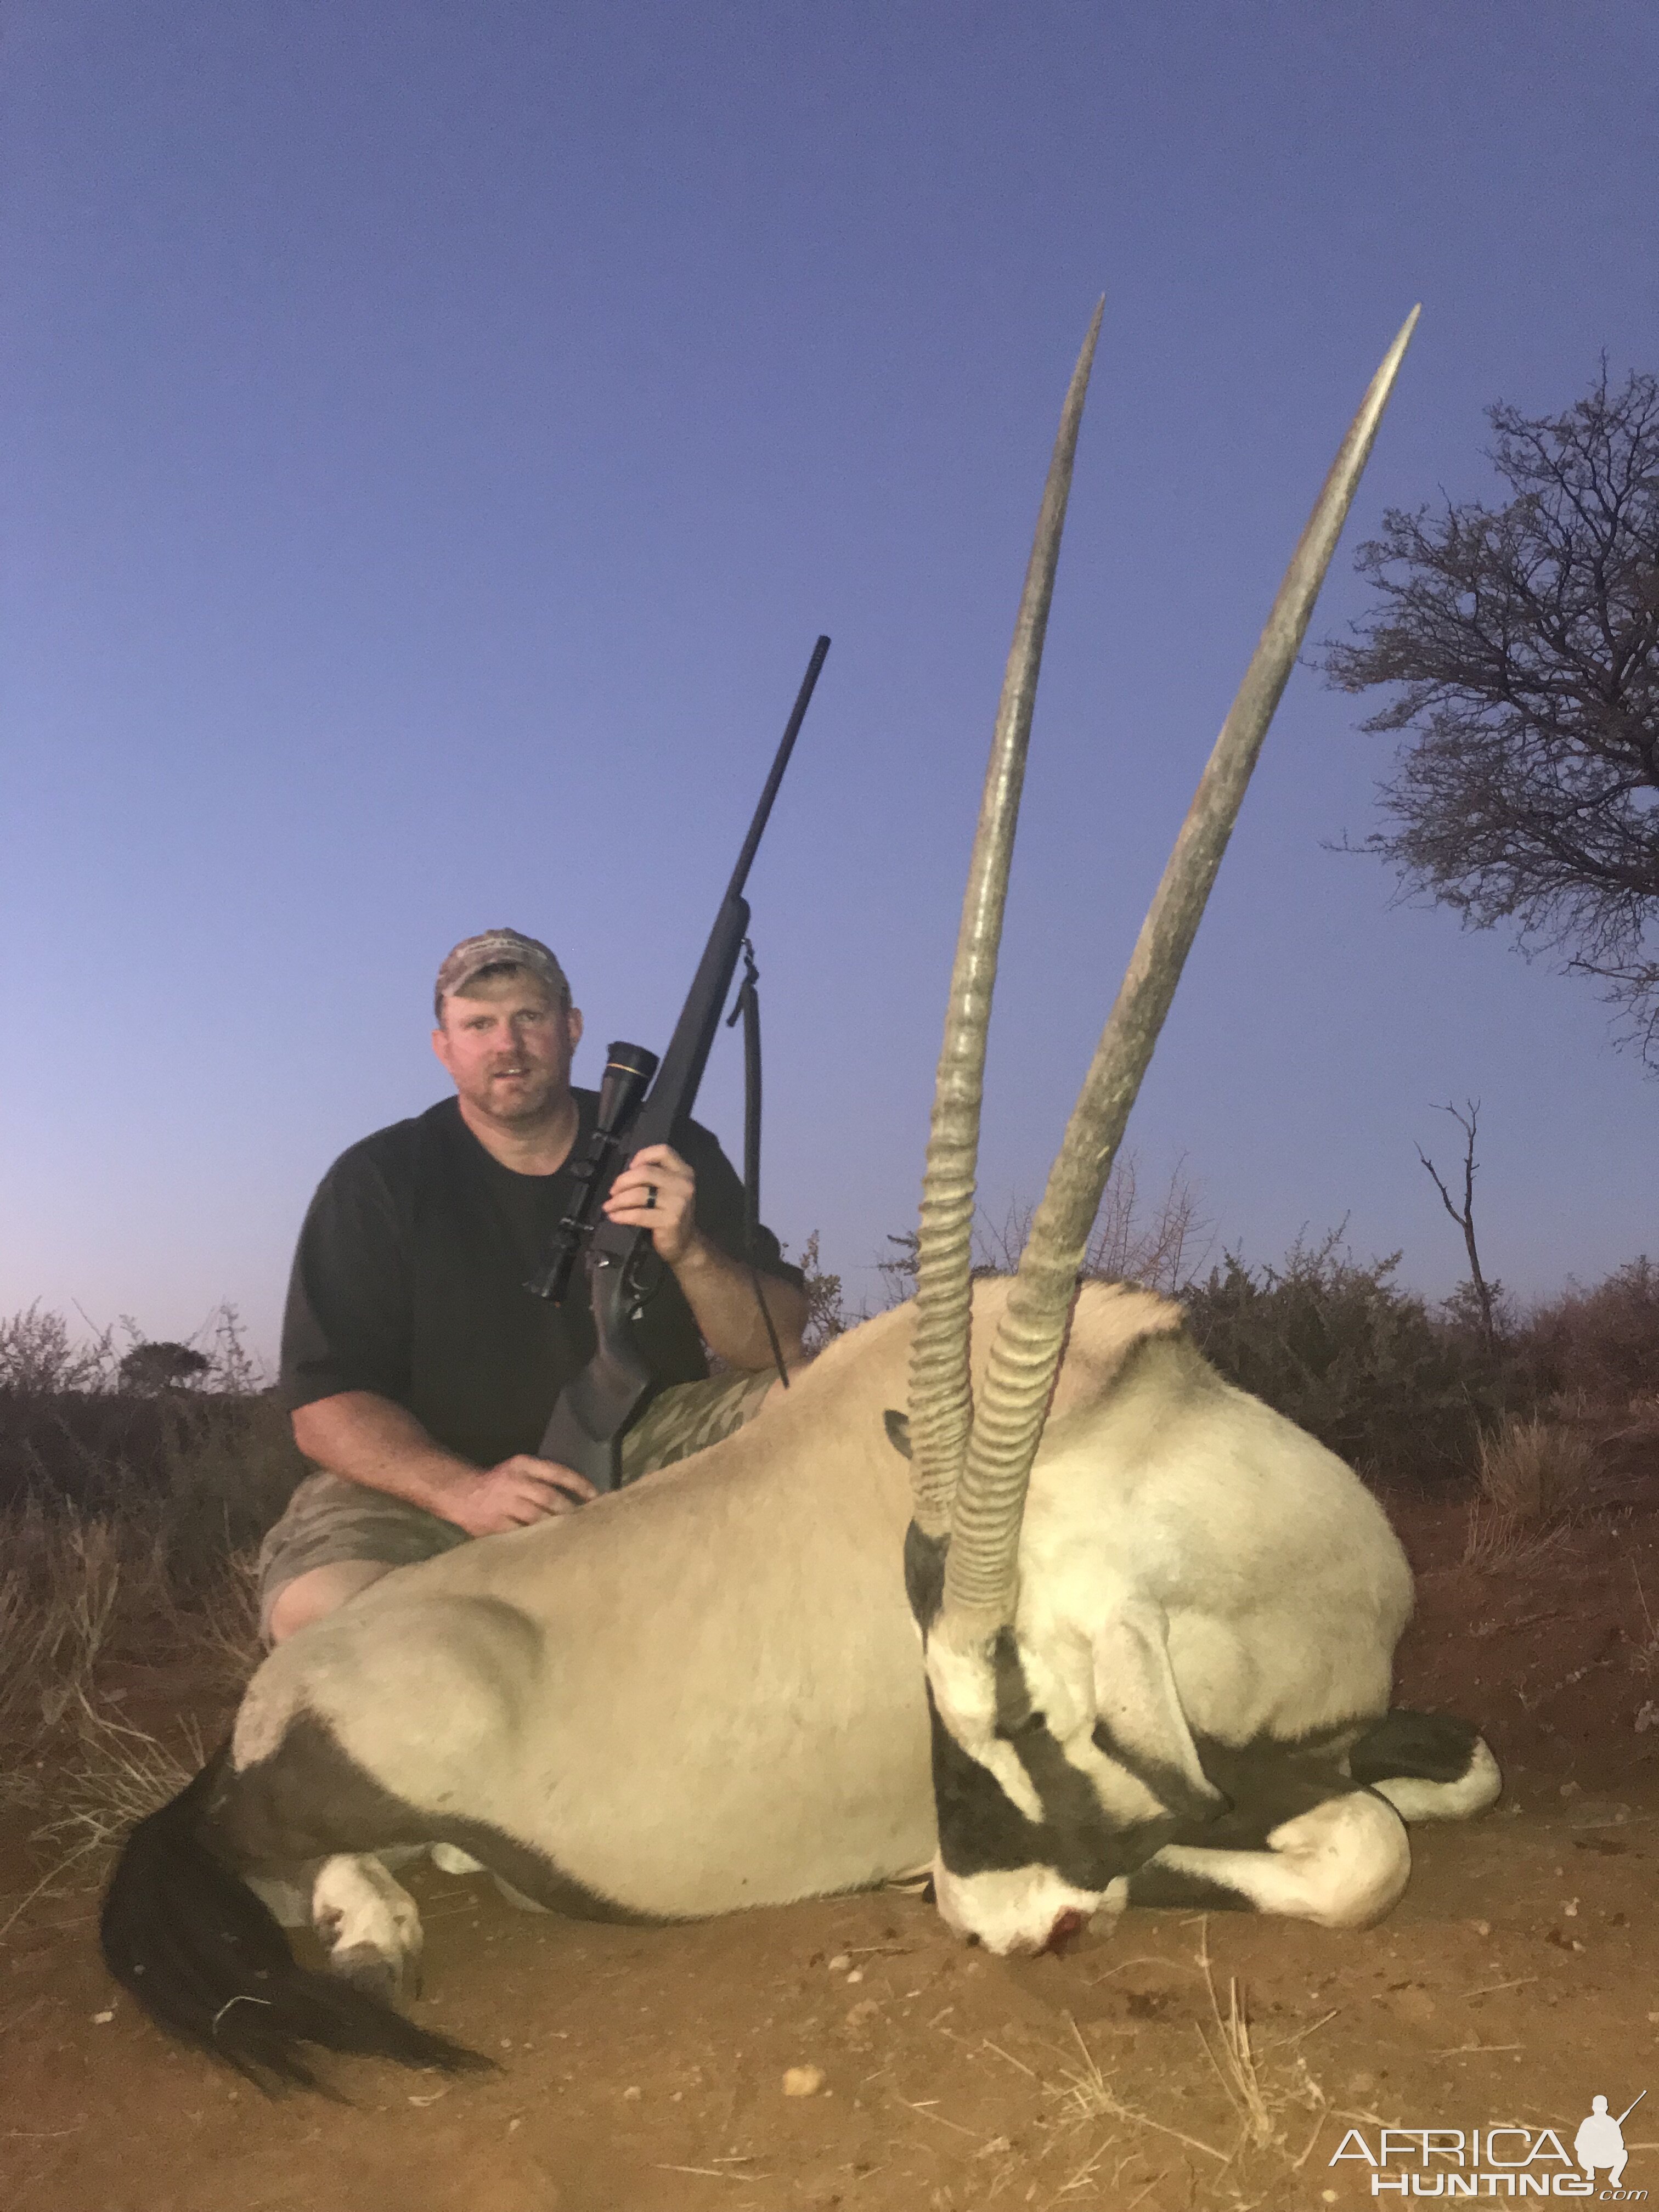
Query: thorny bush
{"points": [[1603, 1342], [205, 1467], [1355, 1359]]}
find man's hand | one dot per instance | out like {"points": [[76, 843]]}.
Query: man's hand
{"points": [[658, 1191], [518, 1493]]}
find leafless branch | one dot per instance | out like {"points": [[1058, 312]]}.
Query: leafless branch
{"points": [[1464, 1215]]}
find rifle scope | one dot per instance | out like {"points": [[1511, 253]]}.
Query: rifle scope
{"points": [[628, 1069]]}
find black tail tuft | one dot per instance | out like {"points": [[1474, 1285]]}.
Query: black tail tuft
{"points": [[203, 1956]]}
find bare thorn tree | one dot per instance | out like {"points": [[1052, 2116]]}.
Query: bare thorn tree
{"points": [[1161, 1246], [1522, 644], [1464, 1215]]}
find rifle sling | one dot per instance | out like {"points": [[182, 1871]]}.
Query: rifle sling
{"points": [[748, 1005]]}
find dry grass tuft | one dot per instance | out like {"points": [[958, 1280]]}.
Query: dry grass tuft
{"points": [[1643, 1651], [73, 1585], [1499, 1544], [1533, 1475], [117, 1776], [86, 1605], [1087, 2095], [1532, 1470], [225, 1643], [1263, 2101], [1272, 2097], [80, 1591], [24, 1632], [85, 1601], [1235, 2064]]}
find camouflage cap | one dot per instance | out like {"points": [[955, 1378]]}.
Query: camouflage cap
{"points": [[496, 948]]}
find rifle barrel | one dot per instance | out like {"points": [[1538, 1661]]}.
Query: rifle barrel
{"points": [[756, 828]]}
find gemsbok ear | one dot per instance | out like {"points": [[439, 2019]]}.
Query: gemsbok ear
{"points": [[1139, 1722], [898, 1427]]}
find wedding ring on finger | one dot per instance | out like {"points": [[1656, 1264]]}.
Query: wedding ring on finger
{"points": [[650, 1196]]}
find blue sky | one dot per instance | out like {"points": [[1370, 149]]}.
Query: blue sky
{"points": [[445, 429]]}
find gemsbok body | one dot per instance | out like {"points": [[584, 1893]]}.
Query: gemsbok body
{"points": [[1010, 1585]]}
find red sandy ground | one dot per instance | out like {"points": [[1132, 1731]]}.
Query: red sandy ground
{"points": [[642, 2070]]}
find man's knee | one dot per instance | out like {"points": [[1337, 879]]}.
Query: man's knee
{"points": [[319, 1591]]}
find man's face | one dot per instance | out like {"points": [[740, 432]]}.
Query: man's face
{"points": [[507, 1043]]}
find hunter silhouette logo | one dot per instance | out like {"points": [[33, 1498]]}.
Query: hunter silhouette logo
{"points": [[1498, 2160], [1601, 2140]]}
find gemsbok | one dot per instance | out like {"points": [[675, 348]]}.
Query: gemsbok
{"points": [[1010, 1584]]}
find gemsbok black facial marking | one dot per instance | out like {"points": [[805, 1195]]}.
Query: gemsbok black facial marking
{"points": [[982, 1830]]}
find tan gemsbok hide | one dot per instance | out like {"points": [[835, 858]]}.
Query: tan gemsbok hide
{"points": [[1085, 1627]]}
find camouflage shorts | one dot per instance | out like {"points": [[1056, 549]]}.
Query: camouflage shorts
{"points": [[329, 1520]]}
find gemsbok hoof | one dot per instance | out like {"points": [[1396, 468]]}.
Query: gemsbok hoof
{"points": [[372, 1927], [371, 1971]]}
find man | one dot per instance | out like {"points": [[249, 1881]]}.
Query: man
{"points": [[419, 1372]]}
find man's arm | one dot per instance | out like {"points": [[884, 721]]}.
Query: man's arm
{"points": [[721, 1296], [369, 1439], [345, 1355], [657, 1190]]}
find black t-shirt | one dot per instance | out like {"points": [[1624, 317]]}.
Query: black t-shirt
{"points": [[409, 1281]]}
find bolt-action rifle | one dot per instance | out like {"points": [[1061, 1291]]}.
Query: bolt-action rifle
{"points": [[595, 1407]]}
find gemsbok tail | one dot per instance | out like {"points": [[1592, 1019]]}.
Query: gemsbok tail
{"points": [[205, 1959]]}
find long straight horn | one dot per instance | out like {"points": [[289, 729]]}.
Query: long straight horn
{"points": [[981, 1585], [941, 1403]]}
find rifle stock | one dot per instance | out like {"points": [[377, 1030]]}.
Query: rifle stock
{"points": [[595, 1407]]}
